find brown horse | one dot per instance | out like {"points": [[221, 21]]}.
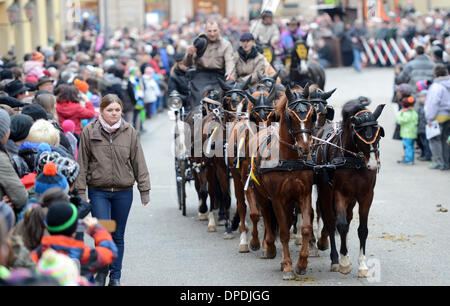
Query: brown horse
{"points": [[206, 160], [260, 110], [348, 154], [282, 177]]}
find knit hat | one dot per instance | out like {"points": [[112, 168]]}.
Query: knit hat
{"points": [[31, 79], [81, 85], [68, 126], [62, 219], [37, 56], [405, 89], [20, 127], [60, 266], [35, 111], [422, 85], [50, 178], [4, 123]]}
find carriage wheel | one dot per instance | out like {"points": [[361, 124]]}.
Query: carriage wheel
{"points": [[182, 198]]}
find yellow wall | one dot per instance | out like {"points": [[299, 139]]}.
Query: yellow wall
{"points": [[25, 36], [6, 30]]}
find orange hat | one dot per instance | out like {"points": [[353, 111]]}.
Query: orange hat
{"points": [[37, 56], [81, 85]]}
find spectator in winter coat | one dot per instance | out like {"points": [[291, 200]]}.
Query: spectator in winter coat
{"points": [[178, 80], [69, 107], [12, 190], [420, 68], [437, 107]]}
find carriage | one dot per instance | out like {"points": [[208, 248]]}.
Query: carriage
{"points": [[182, 165]]}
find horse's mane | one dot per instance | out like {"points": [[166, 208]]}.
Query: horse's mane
{"points": [[280, 106], [350, 109]]}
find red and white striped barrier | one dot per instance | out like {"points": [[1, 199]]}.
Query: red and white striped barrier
{"points": [[380, 52]]}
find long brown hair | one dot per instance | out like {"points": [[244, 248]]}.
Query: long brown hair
{"points": [[108, 100]]}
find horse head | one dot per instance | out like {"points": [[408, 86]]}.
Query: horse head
{"points": [[267, 81], [262, 105], [299, 117], [235, 96], [362, 125], [318, 99]]}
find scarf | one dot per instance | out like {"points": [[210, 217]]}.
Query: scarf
{"points": [[245, 57], [108, 128]]}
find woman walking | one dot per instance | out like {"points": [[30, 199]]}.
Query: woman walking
{"points": [[111, 160]]}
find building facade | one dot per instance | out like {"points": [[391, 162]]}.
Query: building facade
{"points": [[25, 25]]}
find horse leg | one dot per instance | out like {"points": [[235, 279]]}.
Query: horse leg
{"points": [[363, 232], [283, 216], [269, 250], [313, 250], [241, 211], [306, 209], [212, 189], [202, 192], [342, 226], [254, 216]]}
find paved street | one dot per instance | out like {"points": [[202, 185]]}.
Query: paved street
{"points": [[408, 237]]}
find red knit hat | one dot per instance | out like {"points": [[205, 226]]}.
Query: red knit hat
{"points": [[37, 56]]}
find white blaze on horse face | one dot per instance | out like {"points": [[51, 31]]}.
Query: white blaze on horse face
{"points": [[239, 108], [305, 138], [303, 66], [372, 164]]}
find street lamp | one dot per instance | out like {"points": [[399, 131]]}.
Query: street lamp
{"points": [[30, 9], [13, 13]]}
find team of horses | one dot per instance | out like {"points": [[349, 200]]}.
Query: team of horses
{"points": [[275, 143]]}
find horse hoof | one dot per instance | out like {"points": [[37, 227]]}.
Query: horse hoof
{"points": [[334, 268], [324, 246], [211, 229], [221, 222], [228, 236], [362, 273], [255, 247], [300, 271], [202, 217], [268, 255], [243, 248], [287, 276], [344, 269]]}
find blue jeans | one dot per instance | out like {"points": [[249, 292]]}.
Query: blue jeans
{"points": [[408, 145], [115, 205], [357, 59]]}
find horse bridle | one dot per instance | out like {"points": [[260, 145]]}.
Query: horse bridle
{"points": [[373, 143], [290, 109], [240, 93]]}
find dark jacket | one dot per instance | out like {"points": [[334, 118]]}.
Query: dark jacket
{"points": [[178, 81], [418, 69], [10, 183], [18, 162]]}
